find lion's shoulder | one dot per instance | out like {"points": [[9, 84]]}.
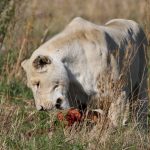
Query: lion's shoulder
{"points": [[78, 29]]}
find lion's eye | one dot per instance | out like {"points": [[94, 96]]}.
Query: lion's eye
{"points": [[36, 84], [56, 86]]}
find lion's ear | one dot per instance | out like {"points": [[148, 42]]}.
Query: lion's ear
{"points": [[40, 63], [24, 64]]}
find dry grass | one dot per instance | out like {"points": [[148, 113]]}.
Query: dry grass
{"points": [[22, 127]]}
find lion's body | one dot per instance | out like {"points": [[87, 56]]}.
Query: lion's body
{"points": [[87, 51]]}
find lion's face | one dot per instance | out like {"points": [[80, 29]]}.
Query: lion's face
{"points": [[48, 80]]}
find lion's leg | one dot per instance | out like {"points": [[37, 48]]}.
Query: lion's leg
{"points": [[119, 110], [142, 105], [142, 108], [126, 112]]}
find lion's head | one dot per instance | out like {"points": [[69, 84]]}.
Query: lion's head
{"points": [[48, 81]]}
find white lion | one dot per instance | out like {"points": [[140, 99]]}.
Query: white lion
{"points": [[63, 72]]}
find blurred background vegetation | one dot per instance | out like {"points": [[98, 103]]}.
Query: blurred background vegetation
{"points": [[26, 24]]}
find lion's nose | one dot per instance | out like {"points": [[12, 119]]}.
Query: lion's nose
{"points": [[45, 106], [58, 103], [42, 108]]}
